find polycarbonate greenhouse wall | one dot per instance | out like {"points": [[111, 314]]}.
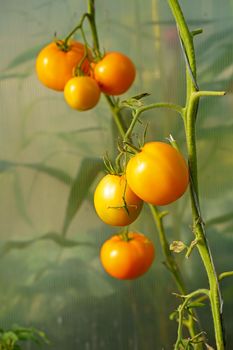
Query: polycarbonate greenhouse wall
{"points": [[50, 236]]}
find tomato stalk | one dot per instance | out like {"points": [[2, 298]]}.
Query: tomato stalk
{"points": [[125, 235], [190, 113], [196, 339], [78, 27], [138, 111]]}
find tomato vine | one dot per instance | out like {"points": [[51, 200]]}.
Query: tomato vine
{"points": [[123, 208]]}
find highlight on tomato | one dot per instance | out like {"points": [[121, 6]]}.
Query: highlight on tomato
{"points": [[158, 174], [127, 259], [115, 73], [115, 203], [56, 63], [82, 93]]}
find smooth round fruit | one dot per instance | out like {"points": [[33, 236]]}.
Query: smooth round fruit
{"points": [[82, 93], [114, 201], [115, 73], [55, 66], [127, 259], [158, 174]]}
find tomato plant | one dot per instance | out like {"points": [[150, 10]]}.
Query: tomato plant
{"points": [[115, 203], [158, 173], [82, 93], [127, 259], [55, 63], [115, 73]]}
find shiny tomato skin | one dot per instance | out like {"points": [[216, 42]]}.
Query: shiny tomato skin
{"points": [[82, 93], [108, 201], [115, 73], [158, 174], [55, 66], [127, 260]]}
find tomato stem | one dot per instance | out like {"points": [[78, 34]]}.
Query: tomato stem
{"points": [[92, 22], [225, 274], [125, 235], [78, 27], [190, 113]]}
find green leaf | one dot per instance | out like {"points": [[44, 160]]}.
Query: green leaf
{"points": [[222, 61], [61, 240], [173, 315], [24, 57], [222, 219], [20, 201], [9, 337], [33, 334], [77, 138], [195, 304], [87, 172], [14, 75], [5, 166], [51, 171], [220, 131], [52, 236], [217, 39], [54, 172]]}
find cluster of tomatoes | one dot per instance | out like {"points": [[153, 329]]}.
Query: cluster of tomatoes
{"points": [[158, 175], [70, 67]]}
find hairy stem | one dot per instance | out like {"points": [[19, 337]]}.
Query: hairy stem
{"points": [[192, 99]]}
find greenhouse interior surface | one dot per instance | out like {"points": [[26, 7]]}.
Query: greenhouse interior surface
{"points": [[116, 168]]}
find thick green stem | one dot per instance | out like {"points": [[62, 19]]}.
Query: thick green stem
{"points": [[187, 39], [198, 228], [192, 99], [91, 18]]}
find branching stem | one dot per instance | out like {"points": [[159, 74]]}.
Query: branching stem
{"points": [[191, 108]]}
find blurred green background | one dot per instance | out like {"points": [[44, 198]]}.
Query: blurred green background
{"points": [[50, 160]]}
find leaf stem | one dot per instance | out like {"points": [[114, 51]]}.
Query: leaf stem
{"points": [[181, 310], [116, 116], [79, 26], [137, 112], [170, 261], [225, 274]]}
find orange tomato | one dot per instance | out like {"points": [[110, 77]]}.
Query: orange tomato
{"points": [[127, 259], [158, 174], [55, 66], [82, 93], [115, 73], [111, 195]]}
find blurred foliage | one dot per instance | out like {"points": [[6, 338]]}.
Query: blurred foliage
{"points": [[50, 162], [11, 339]]}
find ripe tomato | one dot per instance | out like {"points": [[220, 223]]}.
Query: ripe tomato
{"points": [[115, 73], [55, 66], [109, 197], [82, 93], [127, 259], [158, 174]]}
